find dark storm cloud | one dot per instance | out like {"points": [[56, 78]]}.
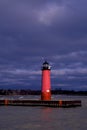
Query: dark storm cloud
{"points": [[55, 22], [33, 30]]}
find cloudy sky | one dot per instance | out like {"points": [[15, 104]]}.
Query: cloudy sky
{"points": [[32, 31]]}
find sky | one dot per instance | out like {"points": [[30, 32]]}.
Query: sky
{"points": [[32, 31]]}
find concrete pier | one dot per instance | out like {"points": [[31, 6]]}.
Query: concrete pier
{"points": [[59, 103]]}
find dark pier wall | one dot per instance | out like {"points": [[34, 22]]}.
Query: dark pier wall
{"points": [[60, 103]]}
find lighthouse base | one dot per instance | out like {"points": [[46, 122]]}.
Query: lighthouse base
{"points": [[46, 96]]}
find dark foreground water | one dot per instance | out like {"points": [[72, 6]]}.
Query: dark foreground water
{"points": [[43, 118]]}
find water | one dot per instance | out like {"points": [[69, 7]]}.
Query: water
{"points": [[41, 118]]}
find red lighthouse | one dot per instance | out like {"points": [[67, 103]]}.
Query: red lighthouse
{"points": [[46, 84]]}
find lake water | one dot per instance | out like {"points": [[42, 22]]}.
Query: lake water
{"points": [[44, 118]]}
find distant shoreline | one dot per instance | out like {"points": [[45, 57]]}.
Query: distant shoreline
{"points": [[38, 92]]}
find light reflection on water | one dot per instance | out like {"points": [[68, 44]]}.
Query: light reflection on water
{"points": [[41, 118]]}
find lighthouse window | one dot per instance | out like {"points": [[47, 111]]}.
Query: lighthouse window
{"points": [[47, 90], [45, 65], [49, 67]]}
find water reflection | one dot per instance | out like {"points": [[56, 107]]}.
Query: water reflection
{"points": [[46, 114]]}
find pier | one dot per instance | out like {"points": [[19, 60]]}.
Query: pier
{"points": [[55, 103]]}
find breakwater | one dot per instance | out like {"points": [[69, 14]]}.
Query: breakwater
{"points": [[51, 103]]}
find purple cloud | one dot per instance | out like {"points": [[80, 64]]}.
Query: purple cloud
{"points": [[55, 30]]}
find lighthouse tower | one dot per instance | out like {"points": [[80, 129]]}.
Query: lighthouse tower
{"points": [[45, 83]]}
